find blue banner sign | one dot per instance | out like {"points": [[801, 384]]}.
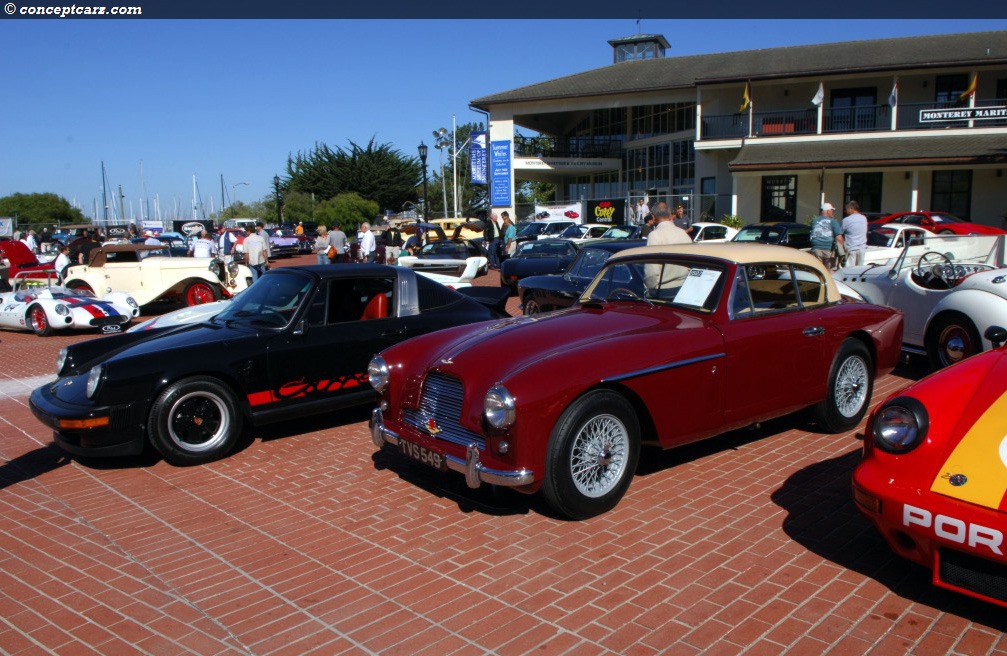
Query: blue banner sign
{"points": [[500, 180], [477, 157]]}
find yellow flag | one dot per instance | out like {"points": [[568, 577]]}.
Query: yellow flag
{"points": [[971, 90], [746, 98]]}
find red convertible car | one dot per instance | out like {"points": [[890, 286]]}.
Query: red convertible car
{"points": [[667, 345], [933, 479], [940, 223]]}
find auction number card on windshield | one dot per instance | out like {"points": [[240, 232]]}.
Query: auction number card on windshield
{"points": [[697, 287]]}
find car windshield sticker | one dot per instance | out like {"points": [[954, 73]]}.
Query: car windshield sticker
{"points": [[697, 287], [981, 457]]}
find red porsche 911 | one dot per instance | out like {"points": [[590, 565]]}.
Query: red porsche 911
{"points": [[933, 479]]}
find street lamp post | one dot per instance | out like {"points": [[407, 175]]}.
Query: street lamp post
{"points": [[426, 202], [234, 196], [441, 145], [276, 188]]}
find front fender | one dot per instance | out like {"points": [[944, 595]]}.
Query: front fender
{"points": [[983, 308]]}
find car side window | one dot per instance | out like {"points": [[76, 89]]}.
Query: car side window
{"points": [[356, 299], [772, 287]]}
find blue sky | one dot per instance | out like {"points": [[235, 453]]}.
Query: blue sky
{"points": [[236, 97]]}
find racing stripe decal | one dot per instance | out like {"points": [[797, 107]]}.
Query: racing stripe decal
{"points": [[976, 471]]}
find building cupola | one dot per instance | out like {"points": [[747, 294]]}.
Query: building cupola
{"points": [[638, 46]]}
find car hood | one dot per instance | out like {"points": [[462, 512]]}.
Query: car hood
{"points": [[987, 281], [643, 336], [968, 463]]}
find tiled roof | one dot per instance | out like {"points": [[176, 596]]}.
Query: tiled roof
{"points": [[965, 51], [851, 153]]}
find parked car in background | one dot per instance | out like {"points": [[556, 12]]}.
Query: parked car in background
{"points": [[448, 257], [951, 288], [560, 290], [931, 479], [148, 274], [712, 232], [297, 342], [40, 304], [20, 258], [285, 244], [536, 258], [795, 235], [542, 229], [623, 232], [583, 232], [885, 241], [659, 350], [940, 223]]}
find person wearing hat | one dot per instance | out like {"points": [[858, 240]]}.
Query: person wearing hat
{"points": [[682, 221], [827, 237]]}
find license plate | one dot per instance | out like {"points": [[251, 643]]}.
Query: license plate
{"points": [[422, 454]]}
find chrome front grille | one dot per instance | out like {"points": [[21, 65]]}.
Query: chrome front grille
{"points": [[441, 400]]}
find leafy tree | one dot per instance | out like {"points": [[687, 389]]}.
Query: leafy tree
{"points": [[377, 172], [349, 210], [40, 209], [297, 206]]}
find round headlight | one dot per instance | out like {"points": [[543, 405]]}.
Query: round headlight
{"points": [[93, 380], [214, 268], [378, 373], [131, 302], [62, 310], [61, 360], [498, 407], [900, 425], [232, 268]]}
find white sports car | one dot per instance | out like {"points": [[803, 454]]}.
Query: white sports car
{"points": [[38, 303], [711, 233], [889, 239], [474, 266], [950, 288]]}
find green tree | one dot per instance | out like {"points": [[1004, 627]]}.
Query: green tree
{"points": [[40, 210], [349, 210], [297, 206], [377, 172]]}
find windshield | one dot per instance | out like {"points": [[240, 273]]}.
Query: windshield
{"points": [[880, 236], [271, 301], [753, 233], [618, 232], [660, 280], [959, 249]]}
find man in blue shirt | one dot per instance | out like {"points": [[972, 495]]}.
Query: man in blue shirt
{"points": [[826, 234]]}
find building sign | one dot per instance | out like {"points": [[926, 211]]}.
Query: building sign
{"points": [[501, 173], [477, 157], [962, 114], [606, 211]]}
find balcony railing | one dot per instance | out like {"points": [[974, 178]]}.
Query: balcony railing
{"points": [[568, 146], [871, 118]]}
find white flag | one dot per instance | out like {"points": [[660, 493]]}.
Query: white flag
{"points": [[893, 97], [819, 95]]}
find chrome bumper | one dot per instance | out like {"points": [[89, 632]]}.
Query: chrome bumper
{"points": [[473, 470]]}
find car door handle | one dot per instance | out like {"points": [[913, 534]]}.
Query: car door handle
{"points": [[814, 331], [395, 332]]}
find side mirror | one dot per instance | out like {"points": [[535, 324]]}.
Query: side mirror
{"points": [[299, 328], [997, 335]]}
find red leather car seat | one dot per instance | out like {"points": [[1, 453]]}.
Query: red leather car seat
{"points": [[377, 308]]}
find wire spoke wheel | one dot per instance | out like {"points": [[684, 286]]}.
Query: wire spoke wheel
{"points": [[851, 386], [600, 454]]}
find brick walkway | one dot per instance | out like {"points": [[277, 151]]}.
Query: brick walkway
{"points": [[309, 540]]}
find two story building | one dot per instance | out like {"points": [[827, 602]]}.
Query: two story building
{"points": [[903, 124]]}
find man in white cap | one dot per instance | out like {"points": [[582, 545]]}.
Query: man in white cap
{"points": [[826, 236]]}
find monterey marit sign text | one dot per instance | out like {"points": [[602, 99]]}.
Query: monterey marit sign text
{"points": [[962, 114]]}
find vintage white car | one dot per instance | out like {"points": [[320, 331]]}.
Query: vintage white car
{"points": [[149, 273], [712, 233], [951, 289], [40, 304], [472, 268], [888, 240]]}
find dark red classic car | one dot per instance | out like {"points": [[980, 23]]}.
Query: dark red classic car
{"points": [[668, 345], [933, 479]]}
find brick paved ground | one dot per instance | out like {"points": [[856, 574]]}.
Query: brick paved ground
{"points": [[308, 540]]}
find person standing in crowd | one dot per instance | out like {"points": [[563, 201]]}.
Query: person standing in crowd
{"points": [[509, 235], [261, 229], [826, 236], [855, 234], [150, 240], [204, 246], [666, 231], [299, 230], [255, 254], [642, 212], [29, 240], [492, 240], [393, 244], [338, 239], [648, 226], [322, 244], [368, 245], [62, 260], [44, 239], [683, 221], [226, 246]]}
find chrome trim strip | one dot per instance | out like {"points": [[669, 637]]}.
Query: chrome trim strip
{"points": [[663, 367], [471, 467]]}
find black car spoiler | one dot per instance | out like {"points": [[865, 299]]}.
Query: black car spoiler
{"points": [[495, 298]]}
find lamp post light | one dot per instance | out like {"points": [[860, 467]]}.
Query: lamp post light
{"points": [[426, 202], [441, 144], [276, 188], [234, 196]]}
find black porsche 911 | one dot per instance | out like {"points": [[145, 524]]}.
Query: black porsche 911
{"points": [[296, 342]]}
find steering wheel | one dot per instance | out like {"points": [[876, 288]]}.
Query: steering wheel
{"points": [[626, 292], [930, 267], [270, 317]]}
